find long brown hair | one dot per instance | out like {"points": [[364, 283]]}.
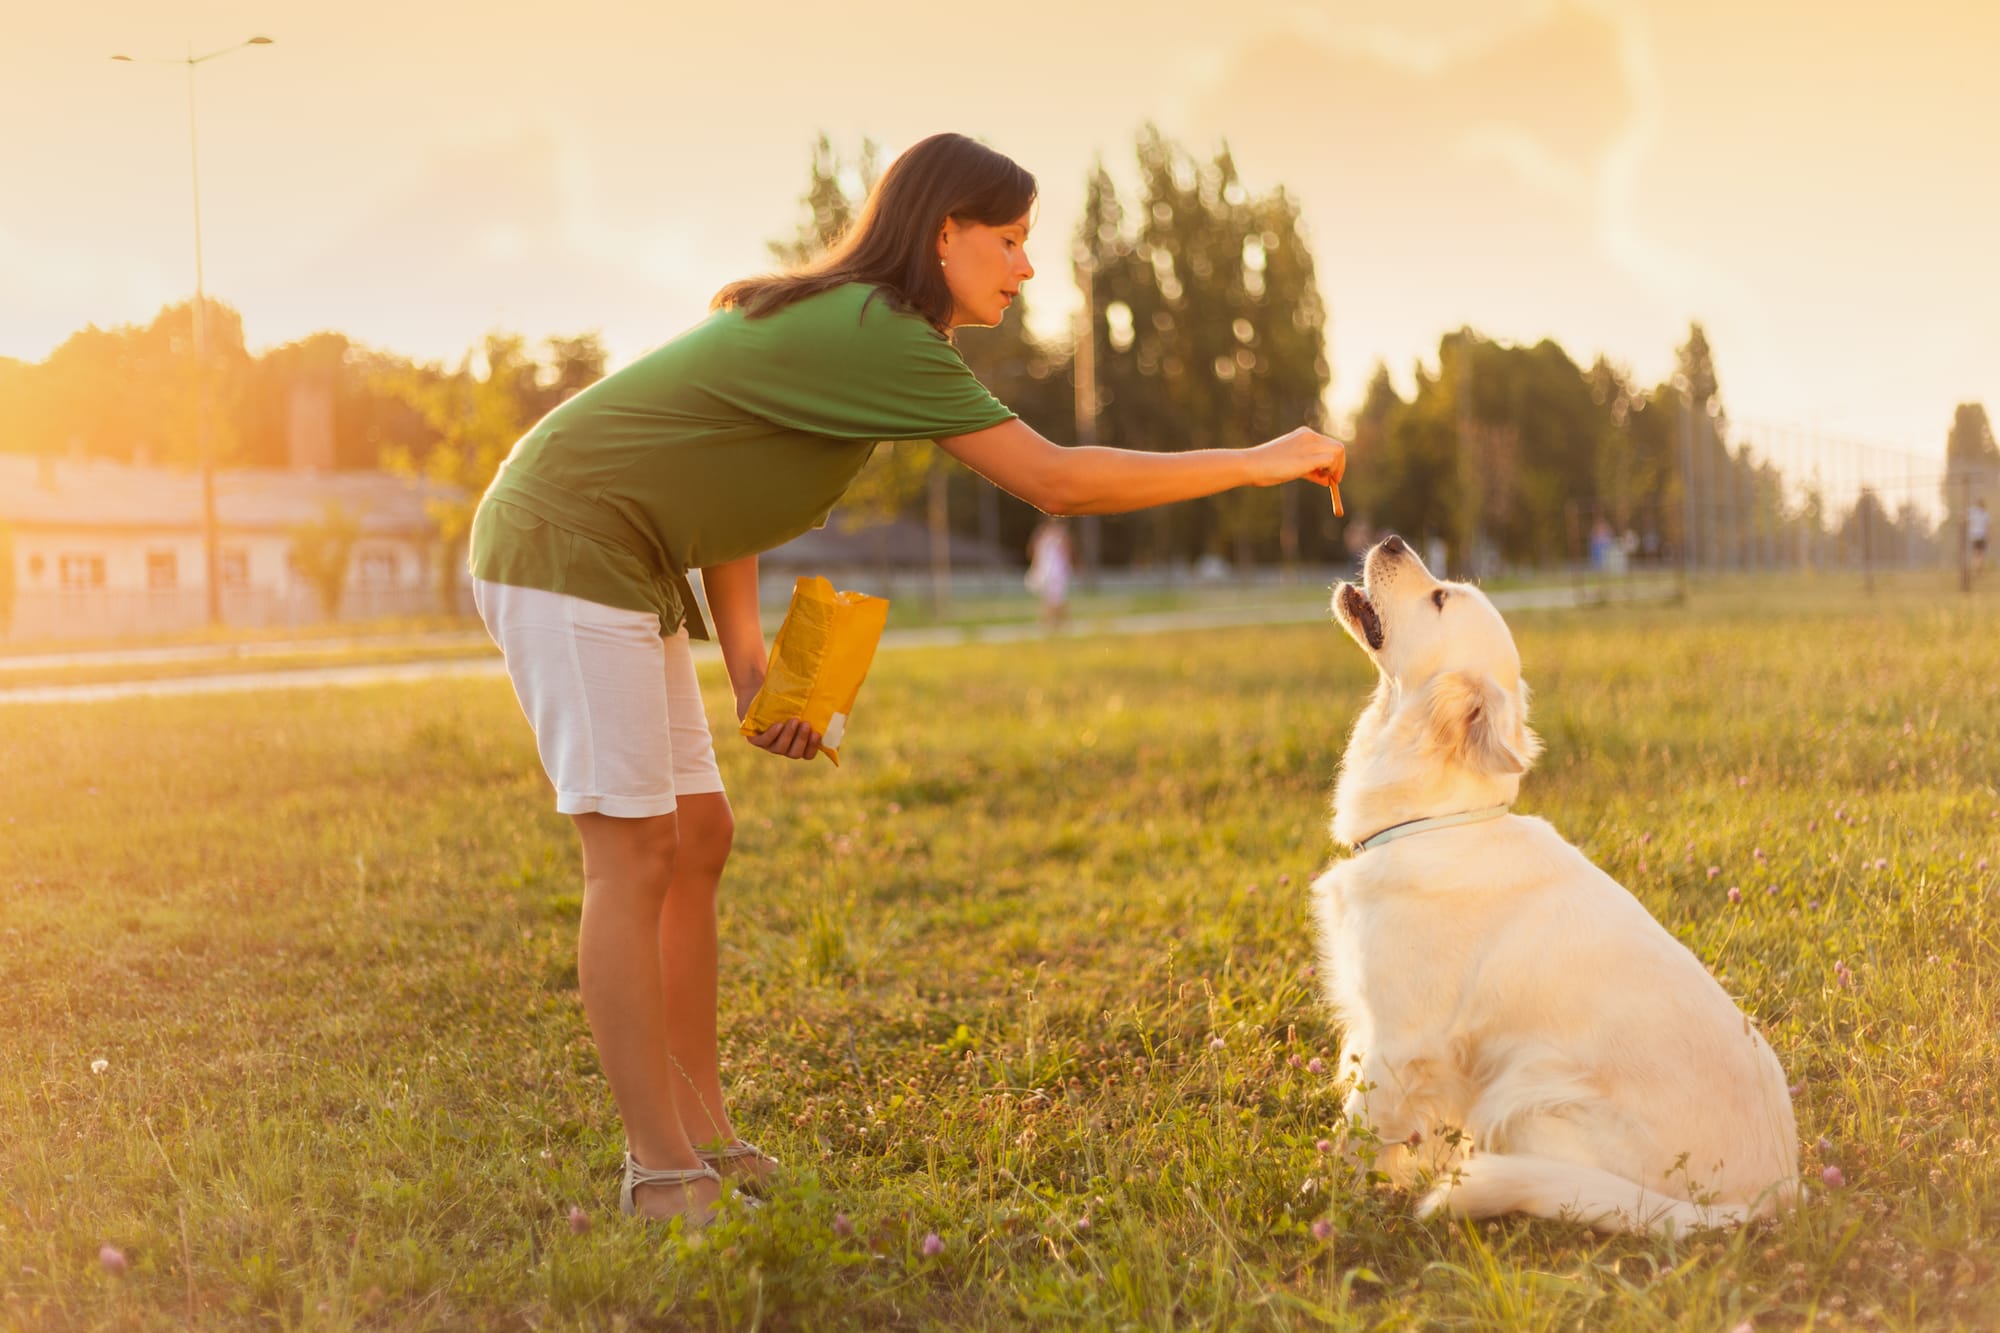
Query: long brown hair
{"points": [[893, 244]]}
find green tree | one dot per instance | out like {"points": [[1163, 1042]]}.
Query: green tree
{"points": [[1866, 534], [1971, 462], [831, 202], [1209, 333], [475, 413], [323, 549]]}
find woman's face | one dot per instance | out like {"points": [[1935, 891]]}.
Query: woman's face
{"points": [[984, 267]]}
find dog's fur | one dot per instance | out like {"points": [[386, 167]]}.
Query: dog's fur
{"points": [[1521, 1032]]}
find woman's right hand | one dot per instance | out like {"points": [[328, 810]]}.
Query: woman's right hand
{"points": [[1301, 455], [790, 739]]}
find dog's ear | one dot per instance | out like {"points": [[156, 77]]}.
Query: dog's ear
{"points": [[1474, 721]]}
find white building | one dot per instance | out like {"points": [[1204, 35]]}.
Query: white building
{"points": [[102, 549]]}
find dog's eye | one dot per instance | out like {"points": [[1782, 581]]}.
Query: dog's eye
{"points": [[1438, 597]]}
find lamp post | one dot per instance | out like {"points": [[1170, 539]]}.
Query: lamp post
{"points": [[204, 443]]}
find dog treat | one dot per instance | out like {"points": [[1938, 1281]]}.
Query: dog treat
{"points": [[818, 661]]}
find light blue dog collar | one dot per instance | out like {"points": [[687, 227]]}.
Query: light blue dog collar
{"points": [[1395, 831]]}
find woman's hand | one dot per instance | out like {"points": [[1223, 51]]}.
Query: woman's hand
{"points": [[791, 739], [1301, 455]]}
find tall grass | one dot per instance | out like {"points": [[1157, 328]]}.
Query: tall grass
{"points": [[1032, 974]]}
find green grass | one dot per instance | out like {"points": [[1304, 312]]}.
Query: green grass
{"points": [[974, 984]]}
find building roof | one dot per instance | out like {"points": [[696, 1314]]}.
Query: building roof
{"points": [[61, 493]]}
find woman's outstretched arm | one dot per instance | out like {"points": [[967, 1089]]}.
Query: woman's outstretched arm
{"points": [[1092, 480]]}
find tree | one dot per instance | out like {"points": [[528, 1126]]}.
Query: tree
{"points": [[1209, 332], [832, 200], [476, 412], [1971, 462], [1864, 533], [322, 550]]}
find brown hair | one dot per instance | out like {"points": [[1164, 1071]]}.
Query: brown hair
{"points": [[893, 244]]}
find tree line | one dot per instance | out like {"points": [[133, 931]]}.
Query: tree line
{"points": [[1207, 329]]}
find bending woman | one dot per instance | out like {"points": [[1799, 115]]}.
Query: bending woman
{"points": [[736, 437]]}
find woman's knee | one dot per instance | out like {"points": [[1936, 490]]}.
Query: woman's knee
{"points": [[645, 849], [708, 831]]}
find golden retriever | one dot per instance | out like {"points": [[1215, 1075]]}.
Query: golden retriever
{"points": [[1521, 1033]]}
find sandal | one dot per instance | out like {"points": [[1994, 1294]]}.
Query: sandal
{"points": [[720, 1158], [636, 1175]]}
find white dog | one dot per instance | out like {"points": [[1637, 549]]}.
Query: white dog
{"points": [[1517, 1025]]}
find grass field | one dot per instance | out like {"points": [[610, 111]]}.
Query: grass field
{"points": [[1031, 974]]}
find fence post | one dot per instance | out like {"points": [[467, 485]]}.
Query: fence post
{"points": [[1965, 532], [1687, 488]]}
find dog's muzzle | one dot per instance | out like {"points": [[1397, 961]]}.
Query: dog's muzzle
{"points": [[1359, 612]]}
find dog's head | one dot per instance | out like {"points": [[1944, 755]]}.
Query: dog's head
{"points": [[1448, 727]]}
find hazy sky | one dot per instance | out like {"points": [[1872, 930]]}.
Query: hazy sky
{"points": [[1817, 183]]}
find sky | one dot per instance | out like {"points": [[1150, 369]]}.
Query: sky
{"points": [[1818, 184]]}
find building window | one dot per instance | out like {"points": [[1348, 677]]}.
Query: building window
{"points": [[235, 568], [378, 567], [82, 572], [163, 571]]}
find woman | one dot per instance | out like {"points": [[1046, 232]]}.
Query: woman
{"points": [[732, 439]]}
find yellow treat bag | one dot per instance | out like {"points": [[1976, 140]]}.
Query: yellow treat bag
{"points": [[821, 654]]}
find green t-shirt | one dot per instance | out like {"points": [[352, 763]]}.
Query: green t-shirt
{"points": [[735, 437]]}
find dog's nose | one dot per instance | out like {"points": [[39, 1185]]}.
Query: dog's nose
{"points": [[1393, 544]]}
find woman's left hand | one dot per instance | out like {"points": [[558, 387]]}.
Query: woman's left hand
{"points": [[1302, 455], [791, 739]]}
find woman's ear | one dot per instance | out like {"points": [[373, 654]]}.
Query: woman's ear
{"points": [[1473, 721]]}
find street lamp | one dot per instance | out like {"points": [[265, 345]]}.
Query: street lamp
{"points": [[210, 541]]}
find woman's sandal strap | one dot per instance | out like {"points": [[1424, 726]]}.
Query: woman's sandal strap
{"points": [[733, 1152], [646, 1175]]}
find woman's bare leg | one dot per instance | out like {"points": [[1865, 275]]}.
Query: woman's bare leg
{"points": [[688, 964], [627, 867]]}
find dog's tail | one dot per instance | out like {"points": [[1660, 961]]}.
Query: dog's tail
{"points": [[1488, 1184]]}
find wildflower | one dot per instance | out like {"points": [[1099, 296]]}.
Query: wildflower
{"points": [[1841, 974], [1825, 1146], [1324, 1145], [1735, 894], [99, 1065], [1757, 853], [579, 1221], [1322, 1229], [1215, 1043], [1295, 1062], [1881, 863], [1981, 865], [933, 1245], [1713, 871], [1797, 1089], [1284, 881], [1645, 838], [112, 1258], [842, 1227], [1833, 1178], [1315, 1066]]}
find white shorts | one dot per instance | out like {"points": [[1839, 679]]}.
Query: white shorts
{"points": [[616, 709]]}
